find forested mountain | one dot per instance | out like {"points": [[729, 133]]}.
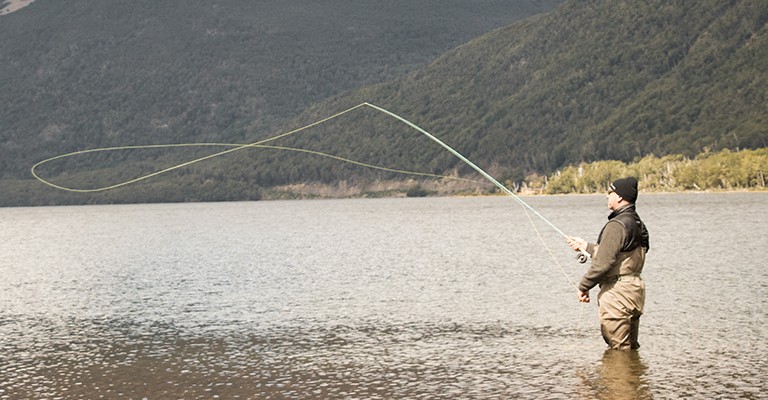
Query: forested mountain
{"points": [[589, 80], [593, 80], [88, 73]]}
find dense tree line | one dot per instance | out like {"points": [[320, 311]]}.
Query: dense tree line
{"points": [[708, 171]]}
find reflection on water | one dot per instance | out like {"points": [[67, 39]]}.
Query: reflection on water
{"points": [[389, 298], [619, 375]]}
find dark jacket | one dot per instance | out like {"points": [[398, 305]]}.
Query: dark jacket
{"points": [[620, 248]]}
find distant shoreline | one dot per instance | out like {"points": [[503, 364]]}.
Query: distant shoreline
{"points": [[30, 193], [318, 191], [14, 5]]}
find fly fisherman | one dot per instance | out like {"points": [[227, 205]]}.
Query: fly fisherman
{"points": [[617, 261]]}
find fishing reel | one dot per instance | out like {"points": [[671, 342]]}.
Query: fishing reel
{"points": [[582, 257]]}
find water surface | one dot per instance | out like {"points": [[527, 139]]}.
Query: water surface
{"points": [[385, 298]]}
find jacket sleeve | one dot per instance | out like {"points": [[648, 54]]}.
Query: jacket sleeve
{"points": [[591, 249], [604, 256]]}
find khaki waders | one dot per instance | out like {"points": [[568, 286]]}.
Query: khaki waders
{"points": [[620, 305]]}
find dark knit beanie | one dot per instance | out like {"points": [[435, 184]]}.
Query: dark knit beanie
{"points": [[626, 188]]}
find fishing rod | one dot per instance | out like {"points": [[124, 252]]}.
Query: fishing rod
{"points": [[582, 257]]}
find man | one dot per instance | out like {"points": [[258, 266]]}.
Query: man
{"points": [[617, 261]]}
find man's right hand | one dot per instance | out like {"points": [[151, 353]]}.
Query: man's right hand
{"points": [[576, 243]]}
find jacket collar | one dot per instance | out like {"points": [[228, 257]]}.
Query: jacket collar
{"points": [[627, 208]]}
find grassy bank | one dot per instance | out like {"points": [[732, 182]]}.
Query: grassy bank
{"points": [[724, 170]]}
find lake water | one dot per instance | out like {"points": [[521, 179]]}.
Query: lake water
{"points": [[433, 298]]}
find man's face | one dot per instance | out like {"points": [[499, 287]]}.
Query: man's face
{"points": [[613, 200]]}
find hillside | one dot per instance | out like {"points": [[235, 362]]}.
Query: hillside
{"points": [[603, 80], [587, 81], [590, 81], [90, 73]]}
